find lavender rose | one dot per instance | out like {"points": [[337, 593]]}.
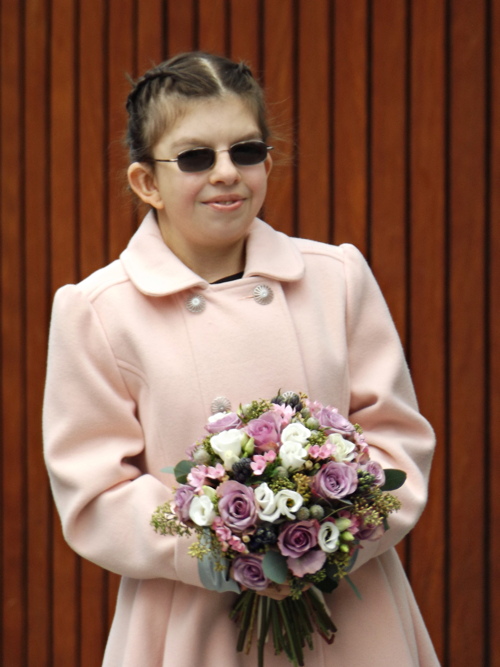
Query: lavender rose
{"points": [[237, 506], [375, 469], [247, 571], [309, 563], [335, 480], [297, 538], [331, 420], [265, 430], [222, 421], [183, 497]]}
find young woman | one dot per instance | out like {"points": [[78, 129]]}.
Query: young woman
{"points": [[209, 307]]}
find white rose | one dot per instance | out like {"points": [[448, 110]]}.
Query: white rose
{"points": [[293, 455], [228, 441], [328, 537], [228, 458], [201, 511], [343, 450], [295, 432], [287, 502], [266, 501]]}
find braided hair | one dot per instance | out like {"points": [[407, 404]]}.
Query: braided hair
{"points": [[156, 97]]}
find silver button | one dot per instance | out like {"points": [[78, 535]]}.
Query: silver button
{"points": [[263, 294], [196, 303], [220, 404]]}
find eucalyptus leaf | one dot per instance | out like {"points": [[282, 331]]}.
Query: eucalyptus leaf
{"points": [[393, 479], [169, 469], [182, 470], [275, 567]]}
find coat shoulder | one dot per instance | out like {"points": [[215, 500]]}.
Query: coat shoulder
{"points": [[340, 253], [100, 281]]}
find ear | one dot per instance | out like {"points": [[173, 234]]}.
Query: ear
{"points": [[268, 164], [143, 182]]}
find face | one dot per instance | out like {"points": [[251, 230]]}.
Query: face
{"points": [[210, 211]]}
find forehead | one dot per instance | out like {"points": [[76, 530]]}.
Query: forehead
{"points": [[211, 120]]}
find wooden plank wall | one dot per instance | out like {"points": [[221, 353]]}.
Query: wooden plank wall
{"points": [[390, 115]]}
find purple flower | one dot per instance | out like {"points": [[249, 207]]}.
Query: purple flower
{"points": [[223, 422], [297, 538], [183, 497], [265, 430], [375, 469], [247, 571], [309, 563], [335, 480], [237, 506], [331, 420]]}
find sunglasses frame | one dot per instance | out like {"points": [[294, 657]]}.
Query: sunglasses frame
{"points": [[214, 152]]}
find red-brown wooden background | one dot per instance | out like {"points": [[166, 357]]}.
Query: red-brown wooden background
{"points": [[391, 111]]}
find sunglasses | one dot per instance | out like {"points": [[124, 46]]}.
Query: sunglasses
{"points": [[243, 154]]}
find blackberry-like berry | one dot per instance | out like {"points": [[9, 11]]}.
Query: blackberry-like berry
{"points": [[264, 535], [242, 470]]}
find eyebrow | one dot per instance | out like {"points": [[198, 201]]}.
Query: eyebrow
{"points": [[195, 143]]}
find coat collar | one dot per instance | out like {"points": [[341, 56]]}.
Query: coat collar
{"points": [[156, 271]]}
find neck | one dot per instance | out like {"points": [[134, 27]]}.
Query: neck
{"points": [[211, 264]]}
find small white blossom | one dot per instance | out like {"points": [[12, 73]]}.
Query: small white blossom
{"points": [[288, 502], [343, 450], [293, 455], [266, 501], [328, 537], [202, 511]]}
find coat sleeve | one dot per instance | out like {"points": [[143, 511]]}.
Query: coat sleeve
{"points": [[383, 401], [92, 443]]}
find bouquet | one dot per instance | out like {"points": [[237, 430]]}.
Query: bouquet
{"points": [[280, 492]]}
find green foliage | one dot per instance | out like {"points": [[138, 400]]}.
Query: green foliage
{"points": [[393, 479]]}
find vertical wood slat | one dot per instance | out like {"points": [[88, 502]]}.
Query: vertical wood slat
{"points": [[39, 504], [366, 112], [11, 319], [427, 344], [493, 359], [466, 331]]}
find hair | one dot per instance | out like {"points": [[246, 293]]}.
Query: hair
{"points": [[160, 95]]}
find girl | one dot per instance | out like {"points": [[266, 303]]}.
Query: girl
{"points": [[209, 307]]}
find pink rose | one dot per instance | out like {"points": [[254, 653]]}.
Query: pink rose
{"points": [[247, 571], [223, 422], [183, 497], [335, 480], [297, 538], [265, 430], [331, 420], [309, 563], [237, 506]]}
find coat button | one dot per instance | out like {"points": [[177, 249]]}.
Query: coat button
{"points": [[263, 294], [196, 303]]}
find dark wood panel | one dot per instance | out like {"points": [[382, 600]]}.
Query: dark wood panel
{"points": [[12, 388], [350, 131], [466, 325], [279, 76], [427, 345], [492, 268], [388, 156], [213, 26], [37, 289], [314, 114]]}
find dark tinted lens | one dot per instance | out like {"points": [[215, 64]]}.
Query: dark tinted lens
{"points": [[196, 159], [248, 152]]}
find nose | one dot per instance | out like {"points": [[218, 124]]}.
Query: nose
{"points": [[224, 169]]}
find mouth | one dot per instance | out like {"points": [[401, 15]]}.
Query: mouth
{"points": [[225, 202]]}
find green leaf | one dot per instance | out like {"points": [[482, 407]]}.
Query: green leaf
{"points": [[169, 469], [393, 479], [182, 470], [275, 567], [353, 586]]}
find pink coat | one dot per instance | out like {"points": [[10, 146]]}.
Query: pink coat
{"points": [[132, 373]]}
